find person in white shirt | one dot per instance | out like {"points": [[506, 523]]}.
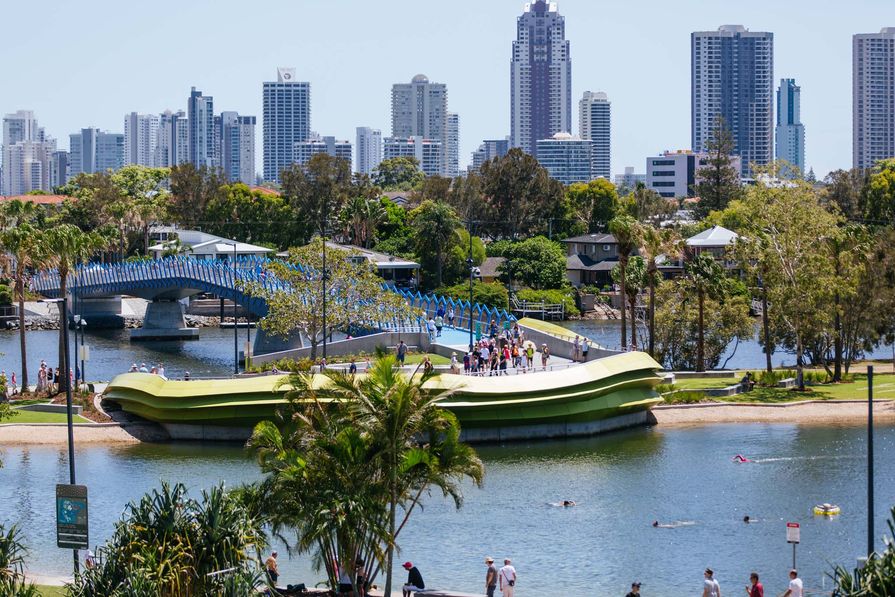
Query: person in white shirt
{"points": [[710, 588], [795, 585], [507, 577]]}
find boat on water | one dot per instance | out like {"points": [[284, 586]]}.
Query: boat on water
{"points": [[604, 394]]}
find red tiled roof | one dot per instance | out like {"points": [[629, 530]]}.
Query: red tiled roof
{"points": [[38, 199], [264, 190]]}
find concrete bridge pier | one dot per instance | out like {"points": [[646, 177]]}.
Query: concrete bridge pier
{"points": [[100, 312], [164, 320], [265, 343]]}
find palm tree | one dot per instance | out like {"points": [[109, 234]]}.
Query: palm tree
{"points": [[24, 243], [351, 449], [705, 276], [66, 246], [12, 565], [635, 280], [655, 242], [626, 232], [435, 225], [361, 216], [17, 212]]}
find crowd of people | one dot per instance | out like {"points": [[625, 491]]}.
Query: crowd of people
{"points": [[157, 369]]}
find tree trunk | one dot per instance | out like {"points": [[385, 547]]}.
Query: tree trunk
{"points": [[20, 283], [633, 304], [700, 343], [390, 548], [622, 266], [765, 322], [837, 341], [652, 316], [800, 374]]}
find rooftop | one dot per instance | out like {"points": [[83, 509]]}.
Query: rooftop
{"points": [[607, 239], [37, 199], [716, 236]]}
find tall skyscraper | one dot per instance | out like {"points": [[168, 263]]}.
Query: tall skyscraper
{"points": [[420, 109], [200, 111], [452, 146], [732, 76], [873, 97], [172, 148], [236, 136], [369, 149], [287, 120], [540, 77], [27, 155], [594, 125], [140, 138], [790, 130], [93, 150]]}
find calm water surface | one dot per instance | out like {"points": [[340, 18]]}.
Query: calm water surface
{"points": [[622, 482]]}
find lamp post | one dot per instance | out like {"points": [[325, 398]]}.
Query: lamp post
{"points": [[469, 264], [66, 367], [869, 460], [235, 327]]}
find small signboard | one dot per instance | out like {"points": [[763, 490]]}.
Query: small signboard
{"points": [[792, 532], [71, 517], [84, 353]]}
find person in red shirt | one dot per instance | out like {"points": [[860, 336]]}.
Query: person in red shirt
{"points": [[755, 590]]}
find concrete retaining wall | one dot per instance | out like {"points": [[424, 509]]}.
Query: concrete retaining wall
{"points": [[52, 408], [564, 348], [363, 344]]}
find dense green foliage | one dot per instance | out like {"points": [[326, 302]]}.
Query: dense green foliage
{"points": [[566, 296], [167, 544], [535, 262], [490, 294], [875, 579], [12, 564]]}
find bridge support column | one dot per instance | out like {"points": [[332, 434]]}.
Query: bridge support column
{"points": [[265, 343], [164, 321]]}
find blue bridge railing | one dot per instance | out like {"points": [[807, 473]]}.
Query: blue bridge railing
{"points": [[224, 279]]}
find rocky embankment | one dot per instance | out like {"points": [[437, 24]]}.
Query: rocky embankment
{"points": [[601, 311], [128, 323]]}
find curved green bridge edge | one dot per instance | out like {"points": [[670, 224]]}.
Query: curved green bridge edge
{"points": [[601, 395]]}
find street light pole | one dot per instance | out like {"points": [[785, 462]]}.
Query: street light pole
{"points": [[324, 274], [66, 366], [869, 460], [235, 327], [469, 264]]}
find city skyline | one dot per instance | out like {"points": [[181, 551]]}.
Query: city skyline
{"points": [[645, 122]]}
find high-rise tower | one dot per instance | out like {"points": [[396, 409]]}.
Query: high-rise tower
{"points": [[287, 120], [540, 77], [200, 112], [594, 126], [873, 97], [733, 77], [790, 130]]}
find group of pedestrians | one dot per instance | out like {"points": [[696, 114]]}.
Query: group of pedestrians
{"points": [[436, 323], [157, 369], [48, 378], [504, 578], [712, 588]]}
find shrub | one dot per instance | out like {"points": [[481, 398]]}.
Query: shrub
{"points": [[490, 294], [565, 296], [6, 296]]}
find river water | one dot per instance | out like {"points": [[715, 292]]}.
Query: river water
{"points": [[621, 481]]}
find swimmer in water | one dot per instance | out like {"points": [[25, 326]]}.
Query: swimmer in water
{"points": [[674, 525], [746, 519], [568, 503], [740, 458]]}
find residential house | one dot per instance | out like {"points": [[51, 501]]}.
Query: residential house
{"points": [[590, 259]]}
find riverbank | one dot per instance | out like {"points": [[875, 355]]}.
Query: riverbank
{"points": [[808, 412], [16, 434]]}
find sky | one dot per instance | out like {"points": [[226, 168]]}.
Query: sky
{"points": [[88, 63]]}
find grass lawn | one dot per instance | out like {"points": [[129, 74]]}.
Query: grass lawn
{"points": [[437, 359], [883, 387], [29, 416], [45, 591]]}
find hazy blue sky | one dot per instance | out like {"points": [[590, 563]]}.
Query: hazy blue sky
{"points": [[87, 63]]}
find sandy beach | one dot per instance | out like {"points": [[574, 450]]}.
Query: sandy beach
{"points": [[48, 434], [821, 412]]}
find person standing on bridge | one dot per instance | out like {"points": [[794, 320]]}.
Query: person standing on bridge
{"points": [[450, 316], [439, 324], [585, 346]]}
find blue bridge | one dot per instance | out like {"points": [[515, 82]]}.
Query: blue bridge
{"points": [[166, 281]]}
